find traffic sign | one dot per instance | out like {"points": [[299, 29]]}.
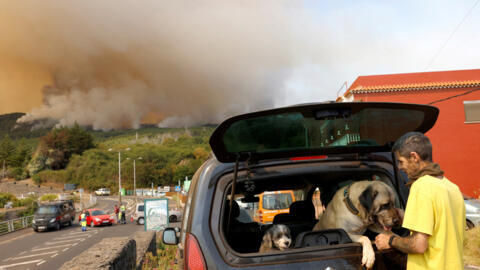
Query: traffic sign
{"points": [[177, 188]]}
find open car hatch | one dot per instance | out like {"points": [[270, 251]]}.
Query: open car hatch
{"points": [[315, 129]]}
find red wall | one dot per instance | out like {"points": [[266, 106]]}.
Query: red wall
{"points": [[456, 145]]}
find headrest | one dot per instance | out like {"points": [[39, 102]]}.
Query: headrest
{"points": [[235, 209], [303, 209]]}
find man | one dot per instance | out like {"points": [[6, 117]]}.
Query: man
{"points": [[435, 212], [116, 210], [83, 220]]}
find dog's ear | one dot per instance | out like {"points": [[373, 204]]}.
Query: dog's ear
{"points": [[367, 197], [267, 240]]}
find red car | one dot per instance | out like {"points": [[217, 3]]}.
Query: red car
{"points": [[97, 217]]}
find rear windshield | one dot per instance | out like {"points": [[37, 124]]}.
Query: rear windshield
{"points": [[47, 210], [277, 201], [98, 213], [322, 129]]}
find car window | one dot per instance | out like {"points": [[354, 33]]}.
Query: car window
{"points": [[140, 208], [98, 213], [277, 201], [47, 210]]}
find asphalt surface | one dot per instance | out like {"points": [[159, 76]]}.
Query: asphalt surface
{"points": [[26, 249]]}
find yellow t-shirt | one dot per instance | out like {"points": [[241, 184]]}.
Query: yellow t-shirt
{"points": [[436, 207]]}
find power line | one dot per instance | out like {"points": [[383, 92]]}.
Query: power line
{"points": [[451, 35], [447, 98]]}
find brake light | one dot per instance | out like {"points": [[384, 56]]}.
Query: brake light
{"points": [[57, 218], [193, 254], [260, 216], [308, 158]]}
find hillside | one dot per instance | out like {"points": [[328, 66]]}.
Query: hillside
{"points": [[9, 126]]}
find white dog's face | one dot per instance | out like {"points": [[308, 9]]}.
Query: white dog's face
{"points": [[281, 237]]}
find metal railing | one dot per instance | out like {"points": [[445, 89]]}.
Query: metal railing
{"points": [[15, 224]]}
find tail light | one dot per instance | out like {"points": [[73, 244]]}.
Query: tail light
{"points": [[58, 218], [193, 254], [260, 216]]}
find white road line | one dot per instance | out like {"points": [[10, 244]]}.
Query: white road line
{"points": [[23, 252], [74, 244], [65, 249], [54, 255], [69, 237], [66, 245], [21, 263], [87, 232], [33, 255], [63, 241], [41, 262], [7, 259]]}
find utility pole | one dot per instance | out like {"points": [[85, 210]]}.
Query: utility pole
{"points": [[3, 175], [134, 182], [119, 179]]}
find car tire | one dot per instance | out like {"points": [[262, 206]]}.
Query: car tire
{"points": [[36, 230], [469, 225], [92, 224], [57, 226], [141, 221], [172, 218]]}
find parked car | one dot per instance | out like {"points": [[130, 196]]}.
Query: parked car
{"points": [[139, 214], [472, 208], [175, 215], [102, 192], [97, 217], [53, 215], [300, 148], [272, 203]]}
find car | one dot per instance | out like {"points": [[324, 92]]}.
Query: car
{"points": [[97, 217], [272, 203], [139, 214], [312, 149], [53, 215], [472, 209], [175, 215], [102, 192]]}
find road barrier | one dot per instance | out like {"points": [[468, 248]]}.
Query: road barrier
{"points": [[15, 224]]}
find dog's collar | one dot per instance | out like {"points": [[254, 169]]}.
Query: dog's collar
{"points": [[348, 202]]}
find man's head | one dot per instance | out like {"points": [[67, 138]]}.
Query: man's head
{"points": [[413, 151]]}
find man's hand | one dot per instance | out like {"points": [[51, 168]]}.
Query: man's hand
{"points": [[381, 241]]}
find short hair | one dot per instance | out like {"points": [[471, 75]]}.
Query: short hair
{"points": [[414, 142]]}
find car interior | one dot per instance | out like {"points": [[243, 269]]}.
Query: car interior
{"points": [[312, 192]]}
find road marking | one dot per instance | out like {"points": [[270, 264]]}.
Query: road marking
{"points": [[89, 231], [54, 255], [62, 241], [7, 259], [74, 244], [41, 262], [65, 249], [33, 255], [66, 245], [69, 237], [23, 252], [21, 263], [16, 238]]}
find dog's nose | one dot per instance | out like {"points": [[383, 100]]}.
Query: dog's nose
{"points": [[287, 243]]}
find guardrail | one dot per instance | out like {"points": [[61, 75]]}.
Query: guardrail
{"points": [[15, 224]]}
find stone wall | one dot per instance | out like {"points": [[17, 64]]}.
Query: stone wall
{"points": [[110, 253], [116, 253]]}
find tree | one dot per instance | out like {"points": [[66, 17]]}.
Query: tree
{"points": [[7, 151]]}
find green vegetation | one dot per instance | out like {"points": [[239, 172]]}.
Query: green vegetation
{"points": [[164, 260], [48, 197], [30, 203]]}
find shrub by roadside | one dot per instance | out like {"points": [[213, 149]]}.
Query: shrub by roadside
{"points": [[471, 250], [165, 260]]}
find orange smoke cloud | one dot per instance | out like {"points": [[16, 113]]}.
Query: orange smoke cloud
{"points": [[111, 63]]}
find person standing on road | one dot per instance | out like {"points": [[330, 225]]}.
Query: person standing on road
{"points": [[435, 212], [122, 209], [83, 220], [116, 210]]}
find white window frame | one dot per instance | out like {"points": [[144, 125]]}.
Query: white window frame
{"points": [[475, 115]]}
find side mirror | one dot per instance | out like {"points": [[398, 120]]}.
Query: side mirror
{"points": [[169, 236]]}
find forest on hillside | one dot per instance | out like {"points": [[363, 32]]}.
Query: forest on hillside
{"points": [[163, 156]]}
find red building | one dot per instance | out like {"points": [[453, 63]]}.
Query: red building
{"points": [[456, 134]]}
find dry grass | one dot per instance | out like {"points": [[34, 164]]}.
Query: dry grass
{"points": [[471, 250], [165, 259]]}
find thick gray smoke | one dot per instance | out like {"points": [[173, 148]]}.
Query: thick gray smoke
{"points": [[114, 64]]}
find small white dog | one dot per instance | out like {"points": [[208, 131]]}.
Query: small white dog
{"points": [[276, 238]]}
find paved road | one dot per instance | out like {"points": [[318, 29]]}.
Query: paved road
{"points": [[27, 249]]}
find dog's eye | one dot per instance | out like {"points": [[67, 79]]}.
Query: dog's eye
{"points": [[385, 206]]}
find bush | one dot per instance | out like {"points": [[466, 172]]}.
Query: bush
{"points": [[165, 258], [471, 250], [7, 197], [48, 197]]}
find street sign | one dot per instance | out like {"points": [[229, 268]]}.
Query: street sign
{"points": [[177, 188]]}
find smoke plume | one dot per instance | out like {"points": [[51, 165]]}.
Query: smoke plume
{"points": [[115, 64]]}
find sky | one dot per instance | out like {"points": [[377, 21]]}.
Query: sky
{"points": [[117, 64]]}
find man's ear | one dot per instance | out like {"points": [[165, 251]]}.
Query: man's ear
{"points": [[415, 156]]}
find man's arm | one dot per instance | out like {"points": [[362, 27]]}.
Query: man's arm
{"points": [[417, 242]]}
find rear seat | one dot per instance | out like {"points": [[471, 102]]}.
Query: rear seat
{"points": [[301, 218], [243, 237]]}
